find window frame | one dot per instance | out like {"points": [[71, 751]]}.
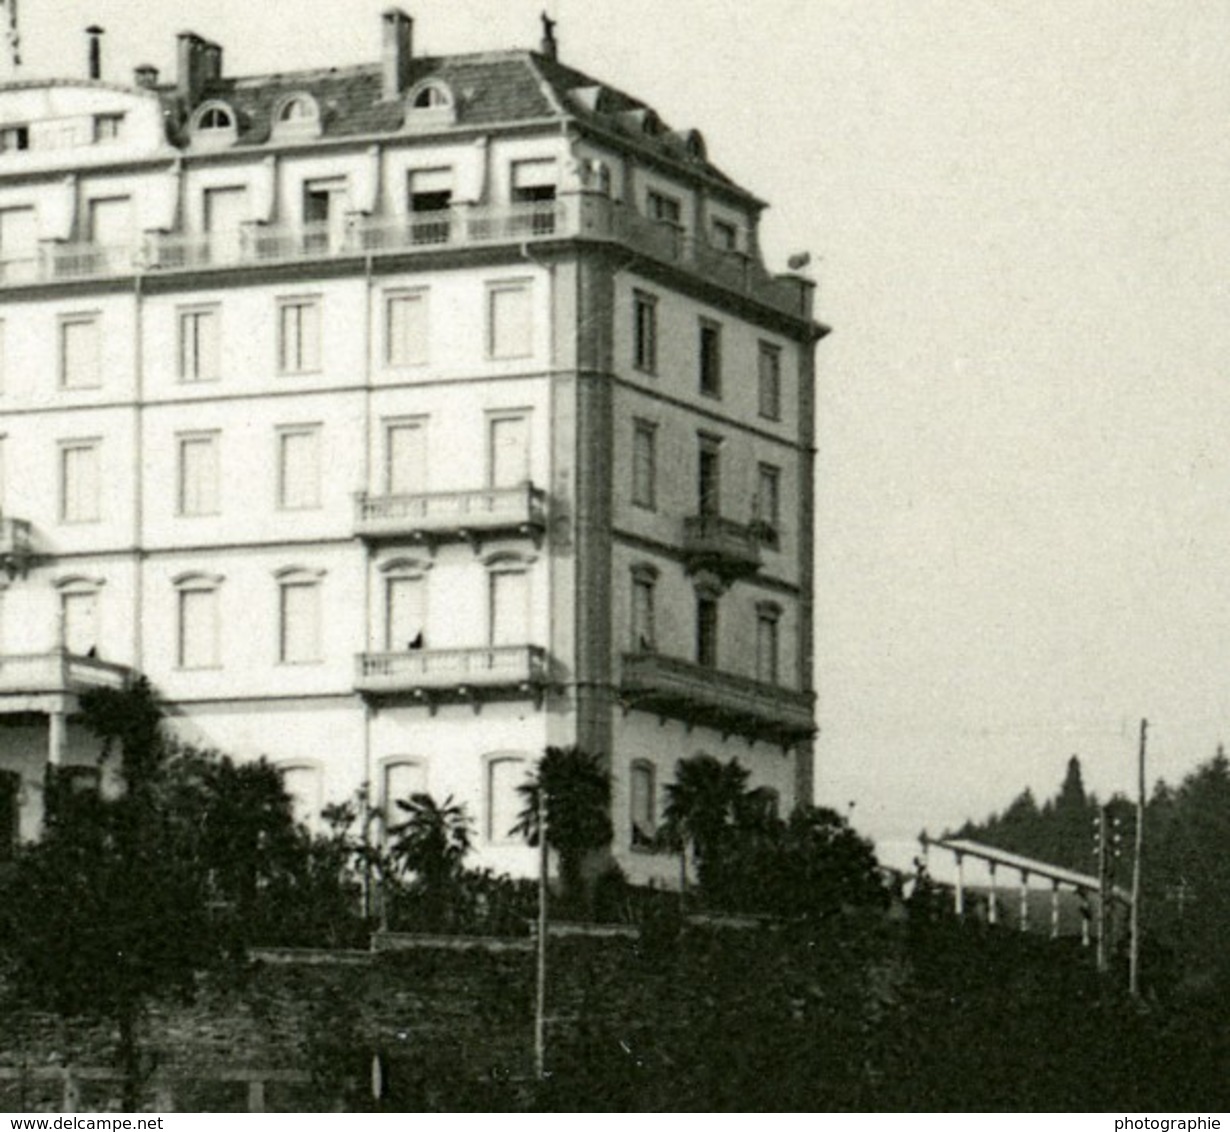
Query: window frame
{"points": [[92, 379], [523, 287], [198, 584], [309, 360], [413, 297], [709, 358], [182, 440], [768, 511], [64, 447], [768, 617], [282, 434], [769, 381], [642, 840], [206, 363], [645, 332], [298, 578], [644, 633], [489, 763], [645, 488], [708, 628]]}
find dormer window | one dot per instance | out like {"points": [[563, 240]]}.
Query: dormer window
{"points": [[214, 125], [430, 103], [297, 116]]}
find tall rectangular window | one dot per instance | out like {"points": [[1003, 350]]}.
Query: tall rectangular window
{"points": [[18, 241], [405, 609], [510, 608], [710, 358], [79, 482], [79, 621], [403, 778], [768, 503], [79, 360], [299, 468], [666, 209], [197, 646], [225, 210], [642, 804], [504, 775], [405, 457], [644, 464], [709, 477], [642, 613], [510, 328], [198, 344], [724, 236], [198, 474], [299, 336], [508, 450], [111, 222], [766, 646], [405, 329], [299, 636], [707, 632], [645, 332], [430, 201], [324, 215], [770, 382]]}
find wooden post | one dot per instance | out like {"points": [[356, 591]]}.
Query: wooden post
{"points": [[959, 896], [540, 997], [1024, 907], [1054, 909], [256, 1096], [1103, 887], [1134, 955], [993, 897], [57, 737], [164, 1097], [70, 1099]]}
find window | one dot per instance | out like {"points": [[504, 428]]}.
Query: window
{"points": [[299, 336], [405, 329], [709, 477], [111, 223], [79, 620], [504, 774], [642, 804], [644, 464], [10, 812], [508, 450], [300, 108], [725, 236], [14, 138], [509, 321], [299, 619], [767, 616], [645, 332], [198, 474], [403, 778], [224, 211], [198, 344], [79, 368], [707, 631], [197, 643], [405, 604], [431, 197], [214, 126], [405, 457], [3, 363], [533, 183], [710, 358], [302, 784], [509, 608], [770, 382], [644, 578], [664, 208], [18, 237], [324, 215], [299, 468], [108, 127], [431, 97], [768, 503], [79, 483], [214, 118]]}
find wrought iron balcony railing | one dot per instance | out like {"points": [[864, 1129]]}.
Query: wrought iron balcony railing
{"points": [[729, 548]]}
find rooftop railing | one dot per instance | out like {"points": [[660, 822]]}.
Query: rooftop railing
{"points": [[585, 216]]}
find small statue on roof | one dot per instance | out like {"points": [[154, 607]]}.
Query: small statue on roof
{"points": [[550, 47]]}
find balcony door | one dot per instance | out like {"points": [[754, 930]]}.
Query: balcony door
{"points": [[509, 451], [324, 215], [510, 608], [225, 211], [405, 614], [405, 451], [111, 222], [709, 479], [79, 612]]}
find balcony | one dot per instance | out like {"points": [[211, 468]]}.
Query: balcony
{"points": [[727, 548], [590, 217], [16, 546], [23, 677], [442, 516], [679, 689], [498, 671]]}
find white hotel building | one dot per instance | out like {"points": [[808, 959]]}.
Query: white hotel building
{"points": [[398, 421]]}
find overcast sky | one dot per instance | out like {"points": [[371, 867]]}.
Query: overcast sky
{"points": [[1017, 212]]}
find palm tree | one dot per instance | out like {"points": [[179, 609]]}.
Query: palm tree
{"points": [[705, 806], [576, 792], [432, 843]]}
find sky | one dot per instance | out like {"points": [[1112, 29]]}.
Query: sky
{"points": [[1017, 212]]}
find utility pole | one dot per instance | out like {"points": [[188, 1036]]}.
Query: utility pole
{"points": [[1103, 884], [1134, 956], [540, 998]]}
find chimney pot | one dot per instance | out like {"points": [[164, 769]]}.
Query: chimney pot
{"points": [[95, 33], [145, 76], [190, 67], [397, 50]]}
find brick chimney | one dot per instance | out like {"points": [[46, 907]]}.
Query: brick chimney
{"points": [[212, 61], [145, 76], [94, 33], [397, 49], [190, 67]]}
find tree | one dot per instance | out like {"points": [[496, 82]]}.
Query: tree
{"points": [[704, 806], [576, 792], [432, 843]]}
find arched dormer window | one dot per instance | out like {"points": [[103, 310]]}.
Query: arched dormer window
{"points": [[214, 125], [298, 115], [430, 103]]}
